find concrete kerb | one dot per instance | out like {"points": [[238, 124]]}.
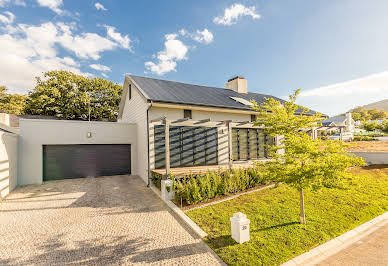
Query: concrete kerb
{"points": [[181, 214], [333, 246]]}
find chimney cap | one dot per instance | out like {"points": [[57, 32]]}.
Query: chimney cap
{"points": [[236, 77]]}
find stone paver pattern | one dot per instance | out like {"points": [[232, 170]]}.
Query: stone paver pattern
{"points": [[369, 250], [99, 221]]}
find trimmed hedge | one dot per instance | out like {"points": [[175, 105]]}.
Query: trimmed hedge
{"points": [[363, 138], [156, 179], [199, 188]]}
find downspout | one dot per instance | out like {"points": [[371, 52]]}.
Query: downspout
{"points": [[148, 146]]}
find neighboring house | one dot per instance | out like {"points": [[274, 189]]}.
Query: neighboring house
{"points": [[335, 122], [207, 126]]}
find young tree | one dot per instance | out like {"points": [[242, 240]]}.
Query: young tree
{"points": [[65, 94], [370, 126], [11, 103], [304, 163]]}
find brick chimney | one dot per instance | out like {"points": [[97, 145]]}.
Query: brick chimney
{"points": [[238, 84]]}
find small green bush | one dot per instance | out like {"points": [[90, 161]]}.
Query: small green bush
{"points": [[363, 138], [156, 179], [199, 188]]}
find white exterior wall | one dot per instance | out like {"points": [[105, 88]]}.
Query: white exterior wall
{"points": [[8, 163], [36, 133], [135, 111], [174, 114]]}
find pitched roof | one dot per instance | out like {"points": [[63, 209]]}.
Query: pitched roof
{"points": [[334, 119], [166, 91]]}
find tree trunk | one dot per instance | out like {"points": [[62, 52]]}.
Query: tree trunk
{"points": [[302, 214]]}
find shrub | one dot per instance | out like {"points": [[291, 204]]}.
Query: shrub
{"points": [[363, 138], [156, 179], [198, 188]]}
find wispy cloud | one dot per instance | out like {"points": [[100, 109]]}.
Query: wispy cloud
{"points": [[234, 12], [4, 3], [30, 50], [341, 97], [123, 40], [7, 17], [54, 5], [174, 50], [99, 6], [204, 36], [100, 67]]}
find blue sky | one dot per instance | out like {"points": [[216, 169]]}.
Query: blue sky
{"points": [[336, 51]]}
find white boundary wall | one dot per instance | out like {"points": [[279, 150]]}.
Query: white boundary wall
{"points": [[8, 163], [35, 133]]}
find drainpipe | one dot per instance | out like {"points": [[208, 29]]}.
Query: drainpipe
{"points": [[148, 146]]}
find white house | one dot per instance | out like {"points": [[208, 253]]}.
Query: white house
{"points": [[201, 126]]}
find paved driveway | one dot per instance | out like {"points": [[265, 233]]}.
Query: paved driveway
{"points": [[109, 220]]}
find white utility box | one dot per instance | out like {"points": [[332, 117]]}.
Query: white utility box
{"points": [[240, 227], [167, 189]]}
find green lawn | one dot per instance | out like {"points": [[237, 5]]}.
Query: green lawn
{"points": [[276, 235]]}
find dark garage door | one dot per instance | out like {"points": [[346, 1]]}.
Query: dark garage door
{"points": [[74, 161]]}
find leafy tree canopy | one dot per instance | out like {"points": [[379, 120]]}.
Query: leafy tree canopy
{"points": [[11, 103], [65, 94], [301, 161], [362, 114]]}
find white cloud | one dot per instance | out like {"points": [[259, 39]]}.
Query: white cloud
{"points": [[204, 36], [233, 13], [30, 50], [99, 6], [341, 97], [54, 5], [4, 3], [123, 41], [7, 17], [174, 50], [100, 67], [104, 75]]}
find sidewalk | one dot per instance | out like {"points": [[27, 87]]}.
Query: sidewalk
{"points": [[365, 244]]}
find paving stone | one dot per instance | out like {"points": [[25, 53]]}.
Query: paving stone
{"points": [[100, 221]]}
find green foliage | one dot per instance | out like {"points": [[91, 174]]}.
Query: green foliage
{"points": [[301, 161], [362, 114], [310, 163], [65, 94], [370, 126], [199, 188], [11, 103], [276, 236], [156, 179], [363, 138], [384, 126], [282, 119]]}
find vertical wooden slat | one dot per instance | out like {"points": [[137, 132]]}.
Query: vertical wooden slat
{"points": [[167, 144]]}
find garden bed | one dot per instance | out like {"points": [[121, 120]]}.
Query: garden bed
{"points": [[276, 235]]}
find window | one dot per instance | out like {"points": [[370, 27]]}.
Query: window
{"points": [[249, 144], [253, 118], [187, 114], [129, 92]]}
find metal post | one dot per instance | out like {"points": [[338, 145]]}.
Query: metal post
{"points": [[341, 131], [167, 147], [230, 145]]}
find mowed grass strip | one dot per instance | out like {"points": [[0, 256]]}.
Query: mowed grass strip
{"points": [[276, 235]]}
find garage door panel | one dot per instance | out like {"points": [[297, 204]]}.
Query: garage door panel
{"points": [[74, 161]]}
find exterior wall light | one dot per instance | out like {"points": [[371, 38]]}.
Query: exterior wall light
{"points": [[89, 135]]}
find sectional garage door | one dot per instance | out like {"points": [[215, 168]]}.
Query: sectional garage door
{"points": [[75, 161]]}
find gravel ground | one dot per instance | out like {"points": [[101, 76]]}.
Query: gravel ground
{"points": [[98, 221]]}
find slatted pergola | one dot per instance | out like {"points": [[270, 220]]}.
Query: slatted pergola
{"points": [[195, 123]]}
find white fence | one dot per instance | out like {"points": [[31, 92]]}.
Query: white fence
{"points": [[8, 162], [373, 157]]}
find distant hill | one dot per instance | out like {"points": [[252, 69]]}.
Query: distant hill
{"points": [[381, 105]]}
